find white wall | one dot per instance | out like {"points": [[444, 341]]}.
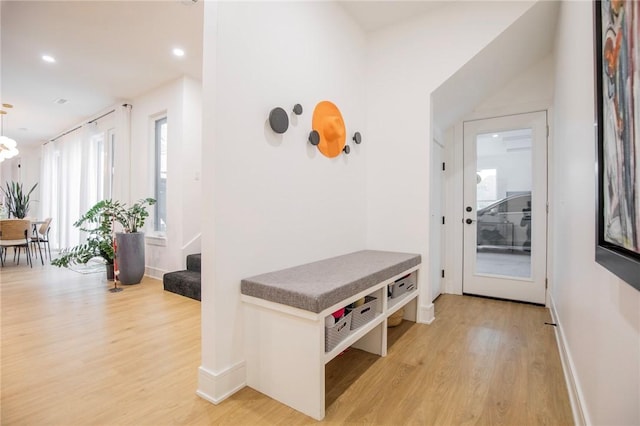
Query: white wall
{"points": [[598, 314], [530, 90], [180, 100], [273, 201], [189, 190], [405, 64]]}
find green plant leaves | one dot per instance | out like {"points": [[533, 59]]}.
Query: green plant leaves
{"points": [[98, 223], [137, 214], [17, 200]]}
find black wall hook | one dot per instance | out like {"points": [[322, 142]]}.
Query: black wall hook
{"points": [[314, 138], [357, 137], [278, 120], [346, 149], [297, 109]]}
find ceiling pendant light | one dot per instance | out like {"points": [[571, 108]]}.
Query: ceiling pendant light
{"points": [[8, 146]]}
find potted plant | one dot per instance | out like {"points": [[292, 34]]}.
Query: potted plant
{"points": [[97, 222], [130, 242], [16, 200]]}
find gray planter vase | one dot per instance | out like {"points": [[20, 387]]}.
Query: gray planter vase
{"points": [[130, 257]]}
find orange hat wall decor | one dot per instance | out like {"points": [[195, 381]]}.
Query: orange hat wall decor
{"points": [[329, 125]]}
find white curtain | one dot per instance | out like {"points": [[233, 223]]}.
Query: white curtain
{"points": [[69, 201], [73, 168], [49, 188], [91, 168]]}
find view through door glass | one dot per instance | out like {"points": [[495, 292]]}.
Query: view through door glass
{"points": [[503, 198]]}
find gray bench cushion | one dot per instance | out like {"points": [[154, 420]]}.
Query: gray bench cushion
{"points": [[319, 285]]}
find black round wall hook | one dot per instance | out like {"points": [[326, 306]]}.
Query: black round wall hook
{"points": [[346, 149], [357, 137], [278, 120], [314, 138], [297, 109]]}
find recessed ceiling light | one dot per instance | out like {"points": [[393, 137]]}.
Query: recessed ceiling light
{"points": [[495, 135], [60, 101], [178, 52], [48, 58]]}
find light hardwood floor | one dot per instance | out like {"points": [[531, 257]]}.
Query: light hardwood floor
{"points": [[75, 354]]}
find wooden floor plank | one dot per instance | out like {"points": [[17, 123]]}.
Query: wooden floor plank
{"points": [[74, 354]]}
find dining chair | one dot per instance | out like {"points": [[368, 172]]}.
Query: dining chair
{"points": [[41, 235], [15, 233]]}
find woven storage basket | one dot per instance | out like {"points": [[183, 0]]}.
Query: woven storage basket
{"points": [[395, 319]]}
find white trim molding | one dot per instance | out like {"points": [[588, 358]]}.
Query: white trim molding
{"points": [[426, 314], [192, 247], [573, 386], [156, 240], [154, 272], [215, 387]]}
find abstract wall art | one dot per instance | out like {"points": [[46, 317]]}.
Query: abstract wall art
{"points": [[617, 67]]}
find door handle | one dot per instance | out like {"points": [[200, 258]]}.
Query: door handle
{"points": [[469, 221]]}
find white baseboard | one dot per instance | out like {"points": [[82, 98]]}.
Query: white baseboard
{"points": [[215, 387], [575, 395], [426, 314], [154, 272]]}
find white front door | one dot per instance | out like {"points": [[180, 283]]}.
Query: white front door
{"points": [[505, 207]]}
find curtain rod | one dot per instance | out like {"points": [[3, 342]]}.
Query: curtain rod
{"points": [[63, 134], [80, 126], [102, 116]]}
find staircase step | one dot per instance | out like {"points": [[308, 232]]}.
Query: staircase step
{"points": [[193, 262], [185, 283]]}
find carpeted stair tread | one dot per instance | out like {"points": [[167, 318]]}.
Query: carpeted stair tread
{"points": [[185, 283], [193, 262]]}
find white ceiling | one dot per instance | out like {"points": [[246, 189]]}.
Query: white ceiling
{"points": [[106, 51], [373, 15]]}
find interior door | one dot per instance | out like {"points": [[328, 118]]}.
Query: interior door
{"points": [[505, 207], [437, 231]]}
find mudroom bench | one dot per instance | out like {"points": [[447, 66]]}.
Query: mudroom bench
{"points": [[289, 336]]}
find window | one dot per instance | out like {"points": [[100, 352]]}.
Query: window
{"points": [[160, 222]]}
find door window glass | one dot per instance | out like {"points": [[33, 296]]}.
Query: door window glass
{"points": [[504, 186]]}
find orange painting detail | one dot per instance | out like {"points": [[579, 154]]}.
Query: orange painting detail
{"points": [[328, 122]]}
